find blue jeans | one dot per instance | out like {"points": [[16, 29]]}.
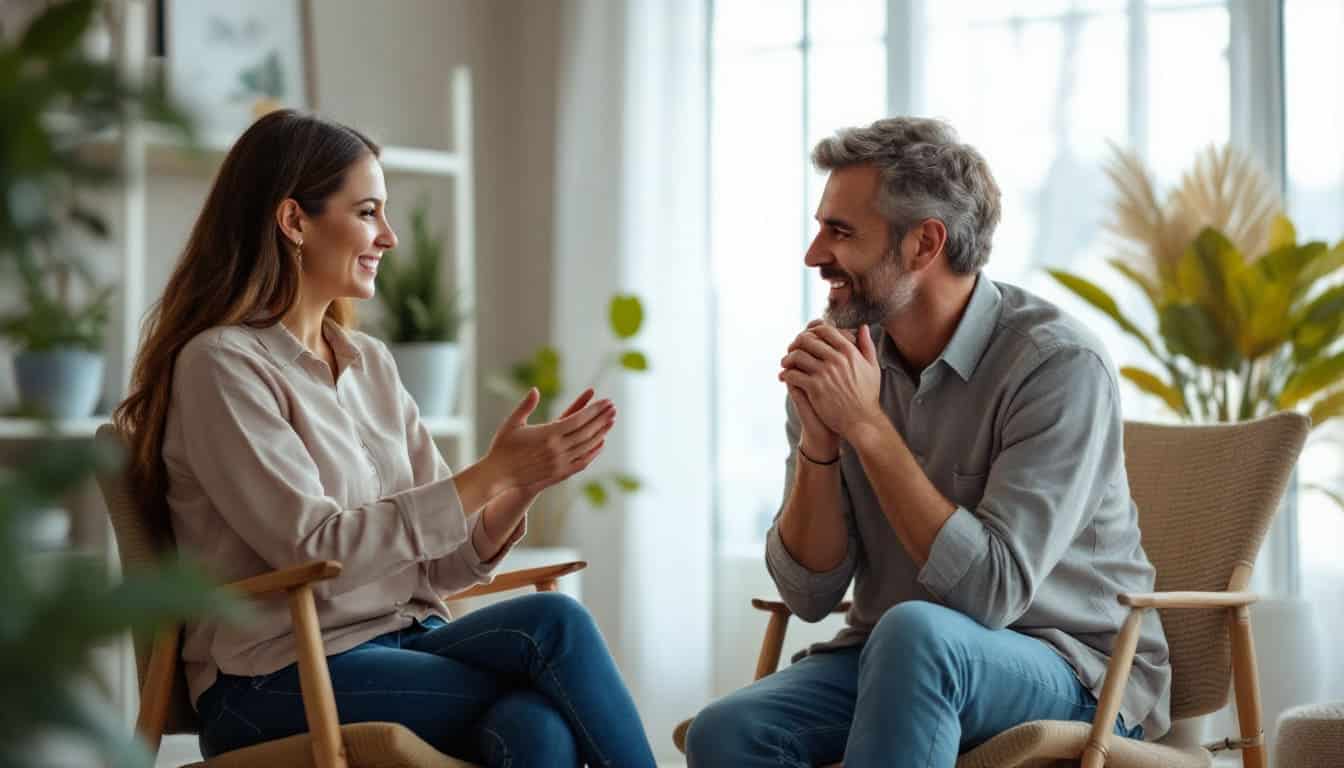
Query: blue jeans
{"points": [[929, 684], [525, 682]]}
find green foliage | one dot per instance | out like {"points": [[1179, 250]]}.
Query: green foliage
{"points": [[1240, 338], [60, 606], [416, 308], [50, 320], [53, 101]]}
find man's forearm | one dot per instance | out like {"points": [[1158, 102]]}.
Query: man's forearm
{"points": [[912, 505], [812, 523]]}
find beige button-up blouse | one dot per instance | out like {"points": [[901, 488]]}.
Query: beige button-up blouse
{"points": [[272, 464]]}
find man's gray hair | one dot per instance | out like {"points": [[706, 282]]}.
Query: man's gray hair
{"points": [[926, 173]]}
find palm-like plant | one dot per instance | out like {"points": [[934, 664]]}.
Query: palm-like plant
{"points": [[1249, 320], [415, 306], [1238, 337]]}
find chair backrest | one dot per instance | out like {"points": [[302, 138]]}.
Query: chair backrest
{"points": [[141, 542], [1206, 496]]}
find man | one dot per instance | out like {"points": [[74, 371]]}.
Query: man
{"points": [[956, 451]]}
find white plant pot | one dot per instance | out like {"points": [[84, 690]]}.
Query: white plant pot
{"points": [[430, 371]]}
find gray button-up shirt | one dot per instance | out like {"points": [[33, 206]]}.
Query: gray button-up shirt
{"points": [[1018, 423]]}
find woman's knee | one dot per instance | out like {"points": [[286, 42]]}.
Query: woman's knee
{"points": [[523, 729], [557, 608]]}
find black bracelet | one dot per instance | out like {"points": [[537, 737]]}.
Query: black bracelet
{"points": [[803, 453]]}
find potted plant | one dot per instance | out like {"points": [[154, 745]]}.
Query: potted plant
{"points": [[545, 371], [421, 321], [59, 363], [1248, 321]]}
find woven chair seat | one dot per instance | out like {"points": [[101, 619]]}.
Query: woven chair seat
{"points": [[1311, 736], [367, 745]]}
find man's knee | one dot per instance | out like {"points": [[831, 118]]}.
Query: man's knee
{"points": [[912, 633], [722, 734]]}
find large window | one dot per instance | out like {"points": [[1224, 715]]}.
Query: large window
{"points": [[1313, 124]]}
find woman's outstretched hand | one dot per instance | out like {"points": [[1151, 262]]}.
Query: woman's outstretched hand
{"points": [[535, 457]]}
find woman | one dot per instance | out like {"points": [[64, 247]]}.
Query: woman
{"points": [[275, 434]]}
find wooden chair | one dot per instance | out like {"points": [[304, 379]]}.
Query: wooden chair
{"points": [[165, 707], [1206, 496]]}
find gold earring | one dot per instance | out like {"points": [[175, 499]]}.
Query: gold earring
{"points": [[300, 253]]}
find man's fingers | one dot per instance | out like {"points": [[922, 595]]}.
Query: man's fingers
{"points": [[802, 360], [866, 346], [796, 378], [833, 336], [816, 347]]}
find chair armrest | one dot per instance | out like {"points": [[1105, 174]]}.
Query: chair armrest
{"points": [[1187, 599], [775, 606], [287, 578], [543, 578]]}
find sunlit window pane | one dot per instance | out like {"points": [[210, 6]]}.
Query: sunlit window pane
{"points": [[1313, 125], [833, 21], [1188, 87], [757, 198], [744, 24]]}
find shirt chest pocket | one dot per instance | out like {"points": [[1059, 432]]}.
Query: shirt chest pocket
{"points": [[968, 488]]}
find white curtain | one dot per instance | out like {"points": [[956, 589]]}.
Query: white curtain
{"points": [[630, 213]]}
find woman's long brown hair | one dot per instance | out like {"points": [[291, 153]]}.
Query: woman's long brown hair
{"points": [[237, 268]]}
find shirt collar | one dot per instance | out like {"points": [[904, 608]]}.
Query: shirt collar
{"points": [[968, 342], [977, 325], [286, 348]]}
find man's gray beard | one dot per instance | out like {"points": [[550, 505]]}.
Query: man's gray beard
{"points": [[864, 310]]}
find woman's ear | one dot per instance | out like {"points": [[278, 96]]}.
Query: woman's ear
{"points": [[289, 217]]}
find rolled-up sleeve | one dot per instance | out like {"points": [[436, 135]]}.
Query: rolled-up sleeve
{"points": [[257, 473], [1062, 445], [809, 594]]}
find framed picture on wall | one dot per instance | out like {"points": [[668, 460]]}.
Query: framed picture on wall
{"points": [[231, 62]]}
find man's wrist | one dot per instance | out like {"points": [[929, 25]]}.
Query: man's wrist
{"points": [[819, 451], [867, 433]]}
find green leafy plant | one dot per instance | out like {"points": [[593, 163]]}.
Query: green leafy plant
{"points": [[51, 319], [1240, 333], [545, 371], [60, 606], [415, 306]]}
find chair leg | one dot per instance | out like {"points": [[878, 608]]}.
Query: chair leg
{"points": [[1112, 691], [1247, 683], [158, 688], [319, 701], [772, 645]]}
